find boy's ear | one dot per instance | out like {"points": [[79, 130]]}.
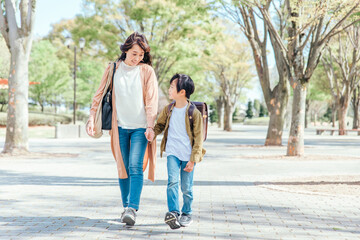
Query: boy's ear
{"points": [[182, 92]]}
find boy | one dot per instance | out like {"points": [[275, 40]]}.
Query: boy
{"points": [[183, 146]]}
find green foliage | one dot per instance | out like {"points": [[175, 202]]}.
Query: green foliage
{"points": [[257, 106], [88, 80], [213, 115], [328, 115], [179, 32], [262, 110], [235, 113], [229, 63], [263, 121], [319, 88], [52, 73], [4, 59], [40, 119], [249, 111]]}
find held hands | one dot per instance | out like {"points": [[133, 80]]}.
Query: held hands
{"points": [[90, 127], [149, 134], [189, 166]]}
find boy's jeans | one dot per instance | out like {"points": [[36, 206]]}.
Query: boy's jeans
{"points": [[175, 168], [133, 157]]}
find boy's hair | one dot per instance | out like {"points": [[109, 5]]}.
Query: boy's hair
{"points": [[184, 82]]}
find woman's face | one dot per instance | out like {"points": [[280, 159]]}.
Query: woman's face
{"points": [[134, 55]]}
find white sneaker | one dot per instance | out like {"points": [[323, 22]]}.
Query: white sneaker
{"points": [[122, 215], [129, 216], [185, 220]]}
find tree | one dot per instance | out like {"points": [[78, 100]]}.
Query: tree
{"points": [[346, 57], [276, 97], [52, 73], [18, 38], [262, 111], [4, 70], [257, 107], [232, 73], [88, 79], [356, 107], [249, 110], [4, 59], [179, 32], [213, 116], [220, 110], [318, 96], [300, 52]]}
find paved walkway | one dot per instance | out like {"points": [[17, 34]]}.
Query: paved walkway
{"points": [[78, 197]]}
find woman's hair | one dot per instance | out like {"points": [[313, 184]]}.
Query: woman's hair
{"points": [[184, 82], [139, 39]]}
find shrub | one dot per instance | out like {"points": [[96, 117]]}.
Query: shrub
{"points": [[40, 119]]}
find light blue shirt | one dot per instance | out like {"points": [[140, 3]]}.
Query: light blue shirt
{"points": [[178, 142]]}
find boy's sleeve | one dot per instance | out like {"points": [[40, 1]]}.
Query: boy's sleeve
{"points": [[161, 122], [197, 149]]}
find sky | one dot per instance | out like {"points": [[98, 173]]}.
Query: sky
{"points": [[53, 11]]}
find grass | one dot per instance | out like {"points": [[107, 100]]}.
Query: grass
{"points": [[40, 119], [34, 132], [257, 121]]}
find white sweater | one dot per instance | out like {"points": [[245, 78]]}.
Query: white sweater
{"points": [[130, 108]]}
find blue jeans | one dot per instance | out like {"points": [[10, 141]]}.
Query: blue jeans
{"points": [[132, 145], [175, 168]]}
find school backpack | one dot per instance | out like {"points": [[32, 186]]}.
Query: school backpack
{"points": [[202, 107]]}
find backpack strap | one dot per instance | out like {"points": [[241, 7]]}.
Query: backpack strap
{"points": [[190, 114], [169, 107]]}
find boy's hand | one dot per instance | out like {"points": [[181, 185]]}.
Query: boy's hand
{"points": [[189, 166], [150, 134]]}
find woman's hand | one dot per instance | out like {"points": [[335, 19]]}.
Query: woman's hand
{"points": [[189, 166], [149, 134], [90, 126]]}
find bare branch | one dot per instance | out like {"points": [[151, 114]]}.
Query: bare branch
{"points": [[11, 20], [333, 31]]}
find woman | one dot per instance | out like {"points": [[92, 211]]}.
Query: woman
{"points": [[134, 101]]}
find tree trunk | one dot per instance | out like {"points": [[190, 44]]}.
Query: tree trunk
{"points": [[342, 112], [356, 104], [17, 113], [229, 110], [220, 111], [307, 115], [356, 117], [333, 114], [277, 107], [296, 138]]}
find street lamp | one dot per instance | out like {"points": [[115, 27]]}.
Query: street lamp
{"points": [[68, 43]]}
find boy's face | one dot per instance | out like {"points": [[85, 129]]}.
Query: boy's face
{"points": [[173, 93]]}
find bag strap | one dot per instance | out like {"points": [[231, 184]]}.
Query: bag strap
{"points": [[112, 79], [190, 113]]}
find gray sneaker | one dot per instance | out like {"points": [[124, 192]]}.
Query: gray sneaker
{"points": [[122, 215], [172, 219], [185, 220], [129, 216]]}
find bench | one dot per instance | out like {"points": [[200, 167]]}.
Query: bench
{"points": [[332, 131]]}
